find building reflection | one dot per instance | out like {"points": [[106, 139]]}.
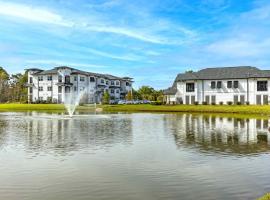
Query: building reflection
{"points": [[61, 135], [220, 134]]}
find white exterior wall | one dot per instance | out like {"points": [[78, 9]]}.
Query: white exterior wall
{"points": [[202, 88], [94, 90]]}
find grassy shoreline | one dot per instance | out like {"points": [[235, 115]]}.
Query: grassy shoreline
{"points": [[225, 109]]}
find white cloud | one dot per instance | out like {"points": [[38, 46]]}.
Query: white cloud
{"points": [[32, 14], [96, 23]]}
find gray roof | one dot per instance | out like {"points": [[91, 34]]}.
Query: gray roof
{"points": [[76, 71], [240, 72]]}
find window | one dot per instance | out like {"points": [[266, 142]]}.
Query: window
{"points": [[40, 88], [40, 78], [75, 78], [92, 79], [261, 85], [49, 78], [67, 89], [117, 91], [60, 79], [112, 91], [40, 98], [190, 87], [117, 83], [67, 79], [75, 88], [213, 84], [229, 84], [235, 84], [31, 90], [107, 82], [31, 80], [102, 80], [49, 88], [112, 82], [82, 78], [219, 84], [59, 89], [127, 83]]}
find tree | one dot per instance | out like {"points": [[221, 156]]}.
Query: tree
{"points": [[4, 77], [106, 98], [147, 92], [129, 96]]}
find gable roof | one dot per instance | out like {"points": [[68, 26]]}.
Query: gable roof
{"points": [[241, 72]]}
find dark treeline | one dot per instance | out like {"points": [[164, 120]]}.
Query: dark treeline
{"points": [[12, 87]]}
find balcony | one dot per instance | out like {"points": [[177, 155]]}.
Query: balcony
{"points": [[64, 84]]}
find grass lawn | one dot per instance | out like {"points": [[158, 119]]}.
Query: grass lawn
{"points": [[265, 197], [37, 107], [236, 109], [226, 109]]}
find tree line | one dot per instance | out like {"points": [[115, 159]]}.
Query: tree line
{"points": [[143, 93], [12, 87]]}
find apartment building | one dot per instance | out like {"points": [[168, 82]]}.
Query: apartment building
{"points": [[236, 85], [58, 83]]}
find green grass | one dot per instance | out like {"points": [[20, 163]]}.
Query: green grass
{"points": [[225, 109], [233, 109], [265, 197], [37, 107]]}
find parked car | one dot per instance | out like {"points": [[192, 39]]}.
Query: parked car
{"points": [[122, 102]]}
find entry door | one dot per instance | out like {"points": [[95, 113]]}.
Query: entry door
{"points": [[187, 99], [213, 99], [207, 99], [242, 99], [192, 99], [258, 99], [235, 99], [265, 99]]}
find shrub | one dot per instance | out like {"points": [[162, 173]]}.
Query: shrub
{"points": [[156, 103], [213, 103], [247, 103], [238, 103], [221, 103], [204, 103], [265, 197], [196, 103], [229, 102]]}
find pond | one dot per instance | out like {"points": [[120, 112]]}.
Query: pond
{"points": [[133, 156]]}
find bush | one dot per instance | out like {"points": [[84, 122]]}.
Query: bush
{"points": [[204, 103], [196, 103], [156, 103], [213, 103], [265, 197], [229, 102], [239, 103], [247, 103], [221, 103]]}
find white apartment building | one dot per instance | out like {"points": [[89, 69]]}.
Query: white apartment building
{"points": [[55, 84], [237, 85]]}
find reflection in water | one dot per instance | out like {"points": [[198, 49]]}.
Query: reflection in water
{"points": [[62, 135], [221, 134], [132, 156]]}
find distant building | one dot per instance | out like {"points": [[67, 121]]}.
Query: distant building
{"points": [[237, 85], [55, 84]]}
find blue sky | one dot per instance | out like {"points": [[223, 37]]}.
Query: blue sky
{"points": [[151, 41]]}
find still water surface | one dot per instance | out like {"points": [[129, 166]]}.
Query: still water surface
{"points": [[133, 156]]}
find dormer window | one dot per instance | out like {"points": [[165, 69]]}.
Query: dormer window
{"points": [[49, 78]]}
